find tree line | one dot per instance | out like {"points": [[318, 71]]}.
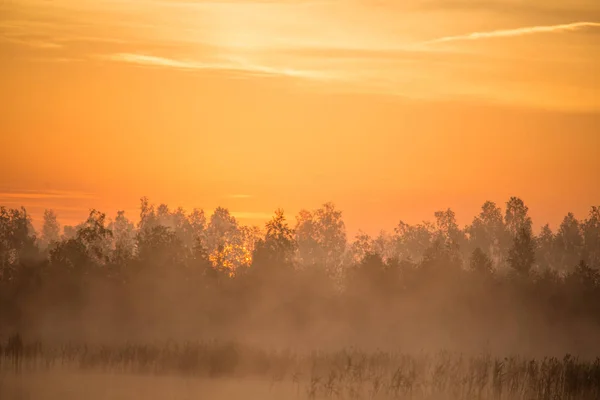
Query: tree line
{"points": [[176, 274]]}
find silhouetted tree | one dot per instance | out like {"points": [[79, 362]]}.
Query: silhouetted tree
{"points": [[545, 251], [89, 248], [321, 237], [362, 245], [487, 231], [371, 276], [96, 237], [585, 276], [123, 231], [480, 262], [412, 241], [384, 245], [182, 272], [50, 229], [230, 245], [159, 247], [197, 225], [447, 228], [517, 216], [569, 241], [278, 245], [521, 256], [70, 255], [591, 238], [441, 259], [17, 241]]}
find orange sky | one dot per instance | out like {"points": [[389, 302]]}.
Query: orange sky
{"points": [[391, 111]]}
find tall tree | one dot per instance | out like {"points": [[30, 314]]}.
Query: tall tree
{"points": [[591, 238], [197, 224], [569, 242], [447, 228], [521, 256], [96, 237], [411, 241], [229, 245], [148, 218], [124, 237], [17, 240], [480, 263], [545, 249], [276, 249], [440, 260], [307, 239], [50, 229], [159, 247], [321, 237], [487, 231], [362, 245], [87, 250], [517, 216], [384, 245]]}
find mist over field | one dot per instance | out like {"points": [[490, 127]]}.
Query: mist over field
{"points": [[183, 293]]}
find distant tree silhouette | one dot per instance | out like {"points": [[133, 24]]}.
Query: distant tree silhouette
{"points": [[441, 259], [521, 256], [123, 230], [447, 228], [89, 249], [96, 237], [384, 245], [517, 216], [71, 255], [411, 241], [188, 273], [569, 241], [488, 232], [17, 241], [480, 263], [321, 237], [229, 245], [159, 247], [363, 244], [371, 276], [546, 248], [50, 229], [591, 238], [585, 276], [278, 245]]}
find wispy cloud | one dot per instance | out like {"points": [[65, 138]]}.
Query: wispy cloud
{"points": [[239, 196], [350, 46], [39, 44], [47, 194], [143, 59], [504, 33], [230, 63]]}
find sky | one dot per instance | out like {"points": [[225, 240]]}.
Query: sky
{"points": [[392, 110]]}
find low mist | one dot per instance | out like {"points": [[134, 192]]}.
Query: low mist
{"points": [[490, 289]]}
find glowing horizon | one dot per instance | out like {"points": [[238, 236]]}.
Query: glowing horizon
{"points": [[391, 111]]}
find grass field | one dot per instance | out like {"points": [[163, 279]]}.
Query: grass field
{"points": [[232, 371]]}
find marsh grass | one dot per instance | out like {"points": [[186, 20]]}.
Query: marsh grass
{"points": [[232, 370]]}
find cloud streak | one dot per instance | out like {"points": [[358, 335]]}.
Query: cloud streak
{"points": [[49, 194], [231, 64], [326, 44], [40, 44], [505, 33]]}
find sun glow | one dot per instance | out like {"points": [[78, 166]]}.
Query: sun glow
{"points": [[298, 102]]}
